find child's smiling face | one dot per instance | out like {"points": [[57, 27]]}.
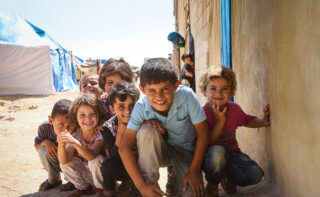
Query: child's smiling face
{"points": [[110, 80], [91, 85], [218, 90], [59, 123], [123, 109], [160, 95], [87, 118]]}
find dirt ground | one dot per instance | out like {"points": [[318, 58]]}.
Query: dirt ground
{"points": [[20, 169]]}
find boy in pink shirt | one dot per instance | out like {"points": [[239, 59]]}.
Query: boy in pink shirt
{"points": [[224, 162]]}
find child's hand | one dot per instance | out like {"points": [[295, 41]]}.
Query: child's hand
{"points": [[219, 115], [70, 128], [66, 138], [156, 124], [266, 117], [104, 96], [51, 148], [189, 74]]}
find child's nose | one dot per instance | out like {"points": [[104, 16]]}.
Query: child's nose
{"points": [[160, 94], [127, 110], [219, 92]]}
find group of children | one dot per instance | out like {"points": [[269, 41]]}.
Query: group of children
{"points": [[108, 135]]}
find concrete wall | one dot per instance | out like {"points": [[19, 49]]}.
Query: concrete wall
{"points": [[205, 28], [276, 57]]}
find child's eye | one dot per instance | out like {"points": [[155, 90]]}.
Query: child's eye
{"points": [[213, 88], [165, 89]]}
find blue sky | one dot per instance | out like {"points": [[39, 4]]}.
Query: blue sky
{"points": [[133, 29]]}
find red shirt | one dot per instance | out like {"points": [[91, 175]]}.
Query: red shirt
{"points": [[236, 117]]}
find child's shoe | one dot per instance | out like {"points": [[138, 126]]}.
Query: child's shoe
{"points": [[107, 193], [67, 187], [228, 187], [134, 192], [79, 192], [124, 187], [212, 190], [46, 185]]}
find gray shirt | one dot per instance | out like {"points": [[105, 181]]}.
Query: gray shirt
{"points": [[45, 131]]}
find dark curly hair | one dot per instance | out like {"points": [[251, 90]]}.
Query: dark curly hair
{"points": [[122, 90]]}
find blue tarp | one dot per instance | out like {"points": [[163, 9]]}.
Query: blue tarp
{"points": [[226, 33], [15, 30], [226, 58]]}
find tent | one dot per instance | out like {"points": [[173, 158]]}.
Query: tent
{"points": [[31, 61]]}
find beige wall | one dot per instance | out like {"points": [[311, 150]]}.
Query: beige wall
{"points": [[276, 57], [205, 28]]}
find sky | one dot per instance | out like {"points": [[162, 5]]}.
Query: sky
{"points": [[132, 29]]}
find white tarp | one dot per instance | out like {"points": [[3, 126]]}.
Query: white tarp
{"points": [[25, 70]]}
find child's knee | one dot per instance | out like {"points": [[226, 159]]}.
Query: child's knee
{"points": [[255, 175], [43, 153], [96, 162], [216, 156], [147, 133]]}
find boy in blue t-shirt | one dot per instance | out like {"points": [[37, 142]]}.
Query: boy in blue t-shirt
{"points": [[182, 118]]}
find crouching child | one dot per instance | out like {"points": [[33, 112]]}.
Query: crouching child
{"points": [[224, 161], [46, 145], [180, 113], [79, 153], [122, 99]]}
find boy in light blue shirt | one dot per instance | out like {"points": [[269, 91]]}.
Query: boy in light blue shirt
{"points": [[181, 117]]}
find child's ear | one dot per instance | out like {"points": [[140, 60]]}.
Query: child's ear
{"points": [[111, 108], [176, 85], [141, 88], [204, 93], [50, 119]]}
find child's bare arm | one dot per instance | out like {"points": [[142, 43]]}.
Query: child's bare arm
{"points": [[91, 152], [121, 129], [64, 154], [187, 72], [88, 153], [257, 123], [129, 160], [193, 178], [220, 121], [50, 146]]}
